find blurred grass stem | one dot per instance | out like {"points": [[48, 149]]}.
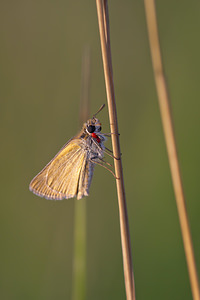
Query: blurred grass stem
{"points": [[103, 20], [79, 266], [164, 103], [85, 86]]}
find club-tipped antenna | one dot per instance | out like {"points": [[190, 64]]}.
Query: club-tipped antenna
{"points": [[102, 106]]}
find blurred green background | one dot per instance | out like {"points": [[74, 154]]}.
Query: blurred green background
{"points": [[41, 49]]}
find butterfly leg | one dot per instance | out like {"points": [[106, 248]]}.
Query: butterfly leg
{"points": [[109, 135], [112, 153], [106, 150], [93, 160], [105, 162], [109, 150], [109, 154]]}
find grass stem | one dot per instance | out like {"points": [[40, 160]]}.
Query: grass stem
{"points": [[79, 266], [164, 103], [103, 20]]}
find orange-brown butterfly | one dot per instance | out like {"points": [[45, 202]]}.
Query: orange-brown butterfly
{"points": [[70, 172]]}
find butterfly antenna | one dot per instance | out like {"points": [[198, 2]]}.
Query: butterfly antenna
{"points": [[102, 106]]}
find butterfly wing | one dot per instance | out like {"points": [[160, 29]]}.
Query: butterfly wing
{"points": [[64, 177], [85, 179]]}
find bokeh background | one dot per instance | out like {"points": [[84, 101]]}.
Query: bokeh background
{"points": [[41, 50]]}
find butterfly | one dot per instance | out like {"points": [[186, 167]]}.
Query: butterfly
{"points": [[69, 173]]}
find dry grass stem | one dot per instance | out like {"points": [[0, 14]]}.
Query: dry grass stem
{"points": [[164, 103], [103, 19]]}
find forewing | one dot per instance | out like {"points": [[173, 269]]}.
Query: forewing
{"points": [[60, 178]]}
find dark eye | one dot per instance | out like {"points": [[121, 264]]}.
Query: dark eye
{"points": [[91, 128], [99, 128]]}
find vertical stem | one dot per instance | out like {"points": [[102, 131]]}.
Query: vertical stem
{"points": [[85, 86], [103, 19], [164, 103], [79, 267], [79, 260]]}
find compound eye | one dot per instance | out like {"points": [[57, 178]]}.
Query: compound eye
{"points": [[91, 128], [99, 128]]}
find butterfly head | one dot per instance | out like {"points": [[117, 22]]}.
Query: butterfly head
{"points": [[93, 126]]}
